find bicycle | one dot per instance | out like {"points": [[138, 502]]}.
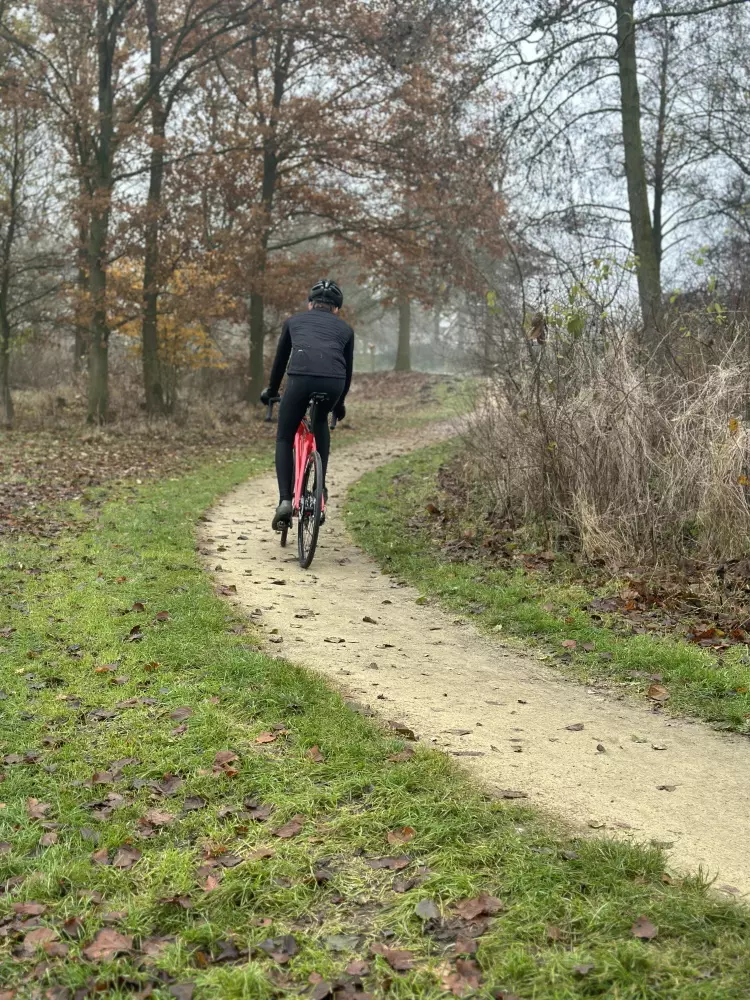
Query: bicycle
{"points": [[308, 500]]}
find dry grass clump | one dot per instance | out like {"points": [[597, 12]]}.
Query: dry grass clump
{"points": [[629, 461]]}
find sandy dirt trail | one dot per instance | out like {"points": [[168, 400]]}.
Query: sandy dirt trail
{"points": [[504, 715]]}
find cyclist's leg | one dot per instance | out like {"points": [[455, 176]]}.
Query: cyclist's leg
{"points": [[332, 387], [291, 411]]}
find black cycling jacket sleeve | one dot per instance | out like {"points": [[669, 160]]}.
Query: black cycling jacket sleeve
{"points": [[283, 351], [349, 356]]}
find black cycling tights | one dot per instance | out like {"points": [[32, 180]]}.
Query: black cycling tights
{"points": [[293, 407]]}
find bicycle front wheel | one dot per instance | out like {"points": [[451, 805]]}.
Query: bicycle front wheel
{"points": [[311, 509]]}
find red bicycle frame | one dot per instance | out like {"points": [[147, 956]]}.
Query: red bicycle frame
{"points": [[304, 446]]}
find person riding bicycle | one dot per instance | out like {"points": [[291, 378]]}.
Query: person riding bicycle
{"points": [[318, 347]]}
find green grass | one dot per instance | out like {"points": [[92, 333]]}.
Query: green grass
{"points": [[544, 609], [65, 599]]}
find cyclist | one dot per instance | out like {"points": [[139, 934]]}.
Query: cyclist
{"points": [[318, 347]]}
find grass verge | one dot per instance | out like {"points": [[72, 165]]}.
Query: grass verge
{"points": [[540, 608], [184, 816]]}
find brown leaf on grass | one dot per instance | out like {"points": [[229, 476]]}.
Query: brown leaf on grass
{"points": [[184, 902], [569, 644], [262, 854], [73, 928], [483, 906], [169, 784], [107, 668], [104, 777], [281, 949], [37, 938], [392, 864], [107, 944], [101, 857], [36, 809], [182, 991], [315, 754], [398, 758], [427, 910], [56, 949], [156, 817], [29, 909], [357, 968], [290, 829], [150, 668], [225, 757], [134, 635], [399, 961], [138, 607], [402, 835], [193, 803], [49, 839], [644, 929], [658, 693], [212, 882], [126, 857], [266, 738], [154, 947], [180, 714], [553, 933], [403, 730], [465, 946], [464, 979], [162, 616], [256, 812], [179, 730]]}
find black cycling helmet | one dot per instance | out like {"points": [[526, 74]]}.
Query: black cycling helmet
{"points": [[328, 292]]}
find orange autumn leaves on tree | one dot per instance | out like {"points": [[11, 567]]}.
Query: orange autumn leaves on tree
{"points": [[185, 341]]}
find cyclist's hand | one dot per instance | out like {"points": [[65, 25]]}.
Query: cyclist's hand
{"points": [[266, 396], [339, 411]]}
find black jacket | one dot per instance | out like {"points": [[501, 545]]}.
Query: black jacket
{"points": [[315, 342]]}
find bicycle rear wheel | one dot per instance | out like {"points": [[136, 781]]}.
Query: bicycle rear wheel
{"points": [[311, 508]]}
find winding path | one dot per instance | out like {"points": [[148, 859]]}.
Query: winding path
{"points": [[627, 771]]}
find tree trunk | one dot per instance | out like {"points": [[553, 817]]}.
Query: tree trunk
{"points": [[6, 400], [152, 382], [98, 409], [649, 280], [659, 154], [257, 346], [403, 355], [80, 344]]}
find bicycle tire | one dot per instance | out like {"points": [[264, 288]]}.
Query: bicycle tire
{"points": [[311, 509]]}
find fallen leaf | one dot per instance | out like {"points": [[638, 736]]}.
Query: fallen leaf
{"points": [[266, 738], [400, 961], [402, 730], [401, 836], [107, 668], [180, 714], [101, 857], [357, 968], [37, 938], [182, 991], [107, 944], [151, 667], [36, 809], [406, 754], [315, 755], [162, 616], [369, 621], [644, 929], [29, 909], [511, 793], [194, 802], [49, 839], [341, 942], [134, 635], [262, 854], [483, 906], [155, 817], [290, 829], [154, 947], [169, 784], [465, 979], [666, 788], [658, 746], [465, 946], [126, 857], [657, 692], [73, 928], [56, 949], [138, 607], [576, 727], [569, 643], [211, 883], [258, 813], [426, 910], [393, 864], [280, 949], [225, 757], [184, 902]]}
